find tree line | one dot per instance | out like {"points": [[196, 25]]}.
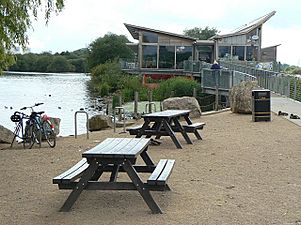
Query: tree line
{"points": [[46, 62]]}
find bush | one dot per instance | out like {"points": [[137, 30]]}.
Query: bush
{"points": [[178, 86], [104, 89]]}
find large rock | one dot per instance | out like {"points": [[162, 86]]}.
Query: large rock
{"points": [[183, 103], [6, 135], [99, 122], [241, 97]]}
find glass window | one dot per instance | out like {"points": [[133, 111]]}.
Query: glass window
{"points": [[224, 52], [148, 37], [166, 56], [205, 53], [251, 53], [149, 56], [238, 52], [183, 53]]}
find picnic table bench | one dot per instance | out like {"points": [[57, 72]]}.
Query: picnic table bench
{"points": [[116, 155], [166, 123]]}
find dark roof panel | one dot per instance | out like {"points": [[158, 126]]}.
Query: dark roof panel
{"points": [[134, 30]]}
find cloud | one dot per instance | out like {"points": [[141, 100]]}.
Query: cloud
{"points": [[287, 52], [81, 22]]}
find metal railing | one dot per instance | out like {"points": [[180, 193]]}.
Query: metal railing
{"points": [[284, 84], [222, 79]]}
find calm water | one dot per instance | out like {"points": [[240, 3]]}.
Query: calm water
{"points": [[62, 95]]}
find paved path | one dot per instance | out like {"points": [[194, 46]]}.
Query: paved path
{"points": [[284, 104]]}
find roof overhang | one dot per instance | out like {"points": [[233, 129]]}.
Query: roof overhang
{"points": [[245, 29], [134, 31]]}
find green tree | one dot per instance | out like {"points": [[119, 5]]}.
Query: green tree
{"points": [[108, 48], [200, 33], [60, 64], [15, 20]]}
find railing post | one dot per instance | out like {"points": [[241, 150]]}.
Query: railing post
{"points": [[295, 88], [75, 122], [216, 73], [136, 99], [120, 110]]}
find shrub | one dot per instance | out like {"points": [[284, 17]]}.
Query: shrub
{"points": [[104, 89], [178, 86]]}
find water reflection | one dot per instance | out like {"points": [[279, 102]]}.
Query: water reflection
{"points": [[62, 95]]}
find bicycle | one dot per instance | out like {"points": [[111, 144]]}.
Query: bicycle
{"points": [[18, 118], [37, 128]]}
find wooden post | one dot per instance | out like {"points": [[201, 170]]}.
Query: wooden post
{"points": [[216, 88], [120, 104], [136, 99], [150, 99], [194, 92], [172, 94]]}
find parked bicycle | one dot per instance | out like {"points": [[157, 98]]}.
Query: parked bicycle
{"points": [[37, 128]]}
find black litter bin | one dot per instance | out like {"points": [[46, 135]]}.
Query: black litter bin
{"points": [[261, 105]]}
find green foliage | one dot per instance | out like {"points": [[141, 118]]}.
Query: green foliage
{"points": [[15, 20], [104, 89], [200, 33], [46, 62], [109, 73], [293, 70], [60, 64], [110, 77], [178, 86], [108, 48]]}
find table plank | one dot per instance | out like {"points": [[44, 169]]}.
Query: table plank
{"points": [[167, 114], [118, 148]]}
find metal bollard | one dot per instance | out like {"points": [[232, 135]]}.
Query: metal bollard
{"points": [[149, 106], [87, 122], [120, 109]]}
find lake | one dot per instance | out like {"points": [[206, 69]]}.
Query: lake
{"points": [[62, 95]]}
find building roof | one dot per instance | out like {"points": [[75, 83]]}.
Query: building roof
{"points": [[246, 28], [134, 30]]}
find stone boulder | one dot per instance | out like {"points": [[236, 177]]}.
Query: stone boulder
{"points": [[6, 135], [241, 97], [99, 122], [183, 103]]}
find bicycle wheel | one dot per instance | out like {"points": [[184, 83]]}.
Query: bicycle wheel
{"points": [[28, 136], [36, 135], [48, 133]]}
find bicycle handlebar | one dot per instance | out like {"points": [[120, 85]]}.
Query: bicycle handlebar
{"points": [[31, 107]]}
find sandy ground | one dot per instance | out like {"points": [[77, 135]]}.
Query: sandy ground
{"points": [[240, 173]]}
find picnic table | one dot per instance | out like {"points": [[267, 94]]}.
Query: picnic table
{"points": [[116, 155], [166, 123]]}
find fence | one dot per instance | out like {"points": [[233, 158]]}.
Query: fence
{"points": [[284, 84]]}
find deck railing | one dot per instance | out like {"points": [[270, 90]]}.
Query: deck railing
{"points": [[284, 84]]}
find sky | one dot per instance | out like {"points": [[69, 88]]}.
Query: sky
{"points": [[83, 21]]}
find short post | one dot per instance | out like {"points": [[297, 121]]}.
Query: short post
{"points": [[87, 122], [120, 105], [172, 94], [120, 109], [194, 94], [136, 99], [149, 106], [150, 100], [216, 89]]}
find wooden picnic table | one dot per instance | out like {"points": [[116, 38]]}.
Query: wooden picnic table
{"points": [[116, 155], [166, 123]]}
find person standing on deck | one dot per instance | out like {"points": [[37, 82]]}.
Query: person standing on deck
{"points": [[215, 65]]}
